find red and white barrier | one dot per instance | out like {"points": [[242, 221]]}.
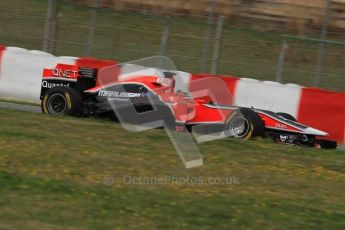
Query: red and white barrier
{"points": [[324, 110], [21, 71], [229, 82], [2, 48], [268, 95], [21, 75]]}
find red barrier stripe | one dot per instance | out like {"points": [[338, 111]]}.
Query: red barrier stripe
{"points": [[2, 49], [324, 110], [229, 81]]}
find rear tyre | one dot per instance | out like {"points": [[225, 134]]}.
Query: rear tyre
{"points": [[244, 124], [287, 116], [60, 101]]}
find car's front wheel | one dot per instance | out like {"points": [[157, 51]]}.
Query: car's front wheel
{"points": [[244, 123], [61, 101]]}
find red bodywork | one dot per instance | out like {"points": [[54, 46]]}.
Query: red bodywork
{"points": [[190, 107], [66, 71]]}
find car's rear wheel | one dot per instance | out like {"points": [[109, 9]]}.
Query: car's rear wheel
{"points": [[61, 101], [287, 116], [244, 124]]}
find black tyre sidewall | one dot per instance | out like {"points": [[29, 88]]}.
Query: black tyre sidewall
{"points": [[72, 97], [256, 125]]}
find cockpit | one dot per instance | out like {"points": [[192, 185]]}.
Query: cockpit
{"points": [[174, 79]]}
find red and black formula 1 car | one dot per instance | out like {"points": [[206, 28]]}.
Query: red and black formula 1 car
{"points": [[156, 94]]}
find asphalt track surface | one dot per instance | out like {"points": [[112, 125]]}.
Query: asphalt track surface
{"points": [[20, 107]]}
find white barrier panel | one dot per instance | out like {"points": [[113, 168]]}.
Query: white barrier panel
{"points": [[21, 73], [268, 95]]}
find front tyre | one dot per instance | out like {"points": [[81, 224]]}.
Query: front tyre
{"points": [[244, 124], [60, 101]]}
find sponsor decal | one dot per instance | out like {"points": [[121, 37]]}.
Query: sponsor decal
{"points": [[281, 126], [64, 73], [115, 94], [112, 99], [283, 138], [48, 85]]}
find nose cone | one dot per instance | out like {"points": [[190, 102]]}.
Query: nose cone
{"points": [[315, 132]]}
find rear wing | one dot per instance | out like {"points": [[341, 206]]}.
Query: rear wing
{"points": [[81, 76], [69, 72], [61, 71]]}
